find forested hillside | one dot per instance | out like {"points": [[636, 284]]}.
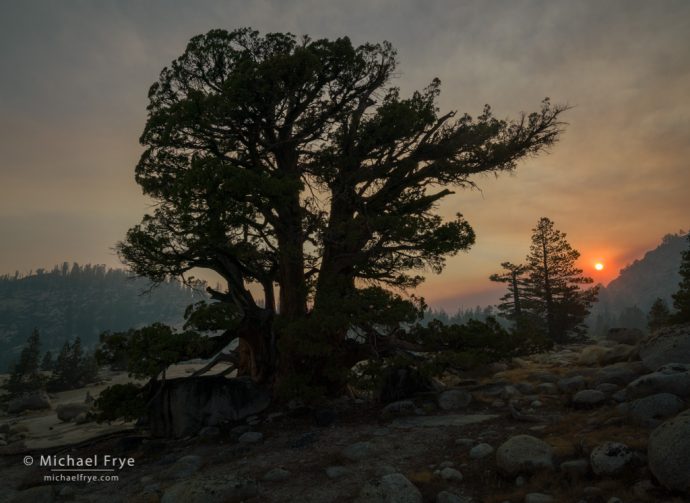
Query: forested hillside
{"points": [[81, 301], [627, 299]]}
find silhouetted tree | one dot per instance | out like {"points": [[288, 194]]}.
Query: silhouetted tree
{"points": [[681, 299], [292, 163], [511, 303], [553, 287], [659, 315], [73, 368], [47, 362], [25, 375]]}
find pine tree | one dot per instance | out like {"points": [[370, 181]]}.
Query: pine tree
{"points": [[659, 315], [25, 376], [47, 362], [511, 303], [73, 368], [681, 299], [553, 286]]}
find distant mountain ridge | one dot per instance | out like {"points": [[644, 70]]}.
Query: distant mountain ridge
{"points": [[82, 301], [627, 299]]}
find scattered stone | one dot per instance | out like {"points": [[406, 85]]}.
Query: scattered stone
{"points": [[251, 437], [538, 498], [481, 451], [667, 345], [525, 388], [276, 475], [607, 387], [610, 458], [524, 454], [392, 488], [651, 410], [572, 384], [82, 418], [399, 408], [510, 392], [575, 468], [621, 374], [464, 442], [212, 489], [672, 378], [451, 474], [359, 451], [448, 497], [536, 403], [37, 400], [446, 464], [335, 472], [614, 499], [669, 453], [454, 399], [520, 481], [547, 388], [588, 398]]}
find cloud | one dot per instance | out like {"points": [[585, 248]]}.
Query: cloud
{"points": [[73, 103]]}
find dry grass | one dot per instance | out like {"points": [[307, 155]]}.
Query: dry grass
{"points": [[574, 437]]}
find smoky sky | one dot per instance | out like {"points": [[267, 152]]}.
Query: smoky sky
{"points": [[75, 76]]}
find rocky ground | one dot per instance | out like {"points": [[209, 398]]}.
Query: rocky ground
{"points": [[596, 423]]}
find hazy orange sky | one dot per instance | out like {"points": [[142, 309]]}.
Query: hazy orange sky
{"points": [[75, 76]]}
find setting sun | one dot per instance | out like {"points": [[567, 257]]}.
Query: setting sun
{"points": [[599, 266]]}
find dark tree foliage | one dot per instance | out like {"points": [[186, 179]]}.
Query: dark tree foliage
{"points": [[554, 290], [511, 303], [681, 299], [25, 376], [292, 163], [659, 315], [546, 295], [47, 362], [82, 301], [73, 368]]}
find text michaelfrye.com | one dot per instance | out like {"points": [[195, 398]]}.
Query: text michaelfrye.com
{"points": [[68, 468]]}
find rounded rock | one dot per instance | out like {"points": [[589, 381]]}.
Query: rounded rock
{"points": [[669, 453], [610, 458], [524, 454]]}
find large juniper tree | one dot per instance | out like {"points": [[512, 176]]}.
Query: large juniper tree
{"points": [[292, 164], [554, 287]]}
